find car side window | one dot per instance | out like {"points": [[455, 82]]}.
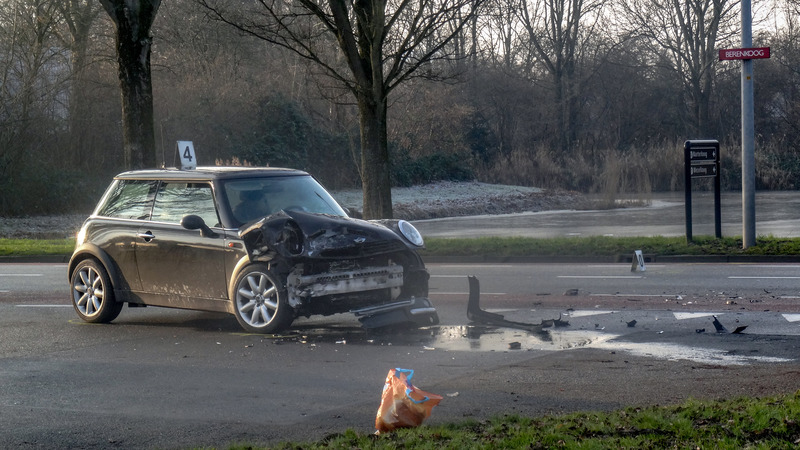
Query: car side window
{"points": [[129, 199], [174, 200]]}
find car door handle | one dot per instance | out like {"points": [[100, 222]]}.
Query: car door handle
{"points": [[147, 236]]}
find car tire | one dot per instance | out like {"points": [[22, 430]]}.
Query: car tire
{"points": [[92, 293], [260, 301]]}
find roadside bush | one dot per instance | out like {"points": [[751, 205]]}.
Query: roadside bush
{"points": [[35, 191], [288, 136], [429, 168], [777, 169]]}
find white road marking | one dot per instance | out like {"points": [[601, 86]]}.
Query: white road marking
{"points": [[589, 312], [504, 266], [43, 306], [601, 276], [616, 266], [21, 274], [792, 317], [694, 315], [673, 296], [764, 278], [466, 293]]}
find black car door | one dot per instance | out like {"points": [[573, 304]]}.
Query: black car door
{"points": [[179, 267]]}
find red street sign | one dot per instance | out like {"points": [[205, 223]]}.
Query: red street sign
{"points": [[744, 53]]}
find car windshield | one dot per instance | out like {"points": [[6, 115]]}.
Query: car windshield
{"points": [[254, 198]]}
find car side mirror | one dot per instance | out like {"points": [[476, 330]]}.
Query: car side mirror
{"points": [[194, 222]]}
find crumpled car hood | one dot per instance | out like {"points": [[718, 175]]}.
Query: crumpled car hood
{"points": [[295, 234]]}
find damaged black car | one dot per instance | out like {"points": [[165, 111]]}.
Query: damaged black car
{"points": [[267, 245]]}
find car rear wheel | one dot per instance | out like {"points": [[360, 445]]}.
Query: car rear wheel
{"points": [[260, 302], [92, 294]]}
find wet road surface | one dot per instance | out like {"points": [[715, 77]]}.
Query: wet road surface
{"points": [[159, 378], [777, 214]]}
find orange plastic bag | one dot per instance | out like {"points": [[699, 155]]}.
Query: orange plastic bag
{"points": [[403, 405]]}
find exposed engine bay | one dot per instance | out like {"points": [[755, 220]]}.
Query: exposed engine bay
{"points": [[334, 264]]}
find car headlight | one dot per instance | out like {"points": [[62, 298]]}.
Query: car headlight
{"points": [[410, 233]]}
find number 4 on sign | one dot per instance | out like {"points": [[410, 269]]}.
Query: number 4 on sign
{"points": [[186, 153]]}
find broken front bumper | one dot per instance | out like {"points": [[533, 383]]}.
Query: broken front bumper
{"points": [[302, 286], [415, 311]]}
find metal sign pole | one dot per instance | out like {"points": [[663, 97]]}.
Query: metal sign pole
{"points": [[687, 176], [748, 136]]}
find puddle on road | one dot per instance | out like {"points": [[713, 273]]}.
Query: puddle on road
{"points": [[451, 338], [481, 338], [493, 339]]}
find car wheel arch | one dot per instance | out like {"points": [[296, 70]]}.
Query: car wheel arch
{"points": [[87, 251], [243, 263]]}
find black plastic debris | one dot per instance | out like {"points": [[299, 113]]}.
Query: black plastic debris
{"points": [[721, 328], [476, 314], [555, 322]]}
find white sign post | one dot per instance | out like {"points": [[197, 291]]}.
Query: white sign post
{"points": [[187, 156], [638, 262]]}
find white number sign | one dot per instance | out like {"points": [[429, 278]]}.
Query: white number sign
{"points": [[186, 153]]}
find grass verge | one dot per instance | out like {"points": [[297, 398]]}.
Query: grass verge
{"points": [[606, 246], [768, 423], [36, 247], [518, 246]]}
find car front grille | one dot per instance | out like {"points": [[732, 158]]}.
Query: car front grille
{"points": [[364, 250]]}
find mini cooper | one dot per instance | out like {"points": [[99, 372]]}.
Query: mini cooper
{"points": [[267, 245]]}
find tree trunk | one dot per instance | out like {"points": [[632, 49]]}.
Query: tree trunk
{"points": [[133, 20], [375, 177], [138, 135]]}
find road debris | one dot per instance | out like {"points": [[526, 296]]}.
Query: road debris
{"points": [[721, 328], [476, 314]]}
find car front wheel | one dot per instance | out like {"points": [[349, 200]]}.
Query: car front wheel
{"points": [[260, 302], [92, 294]]}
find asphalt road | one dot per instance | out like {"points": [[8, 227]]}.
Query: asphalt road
{"points": [[159, 378]]}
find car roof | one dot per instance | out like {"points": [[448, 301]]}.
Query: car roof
{"points": [[209, 173]]}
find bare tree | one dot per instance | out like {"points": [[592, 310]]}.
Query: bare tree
{"points": [[686, 34], [559, 33], [78, 16], [132, 21], [380, 45], [499, 29]]}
